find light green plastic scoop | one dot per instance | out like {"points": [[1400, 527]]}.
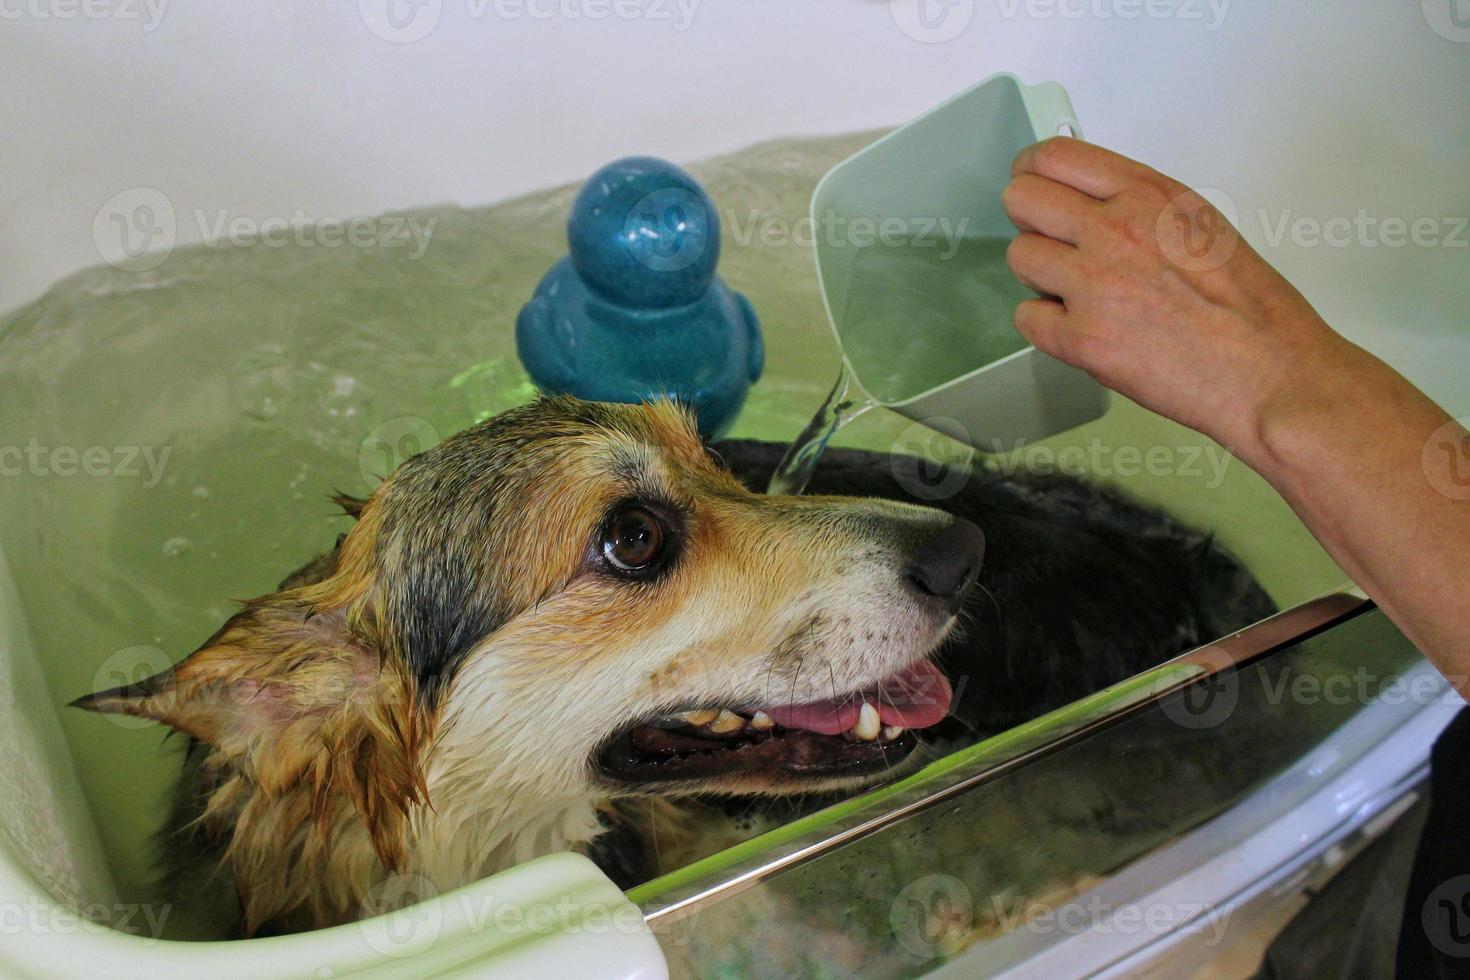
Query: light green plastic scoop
{"points": [[910, 251]]}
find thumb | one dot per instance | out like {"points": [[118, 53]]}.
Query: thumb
{"points": [[1044, 323]]}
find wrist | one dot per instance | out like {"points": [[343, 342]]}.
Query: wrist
{"points": [[1291, 419]]}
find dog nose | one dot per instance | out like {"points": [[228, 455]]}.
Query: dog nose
{"points": [[946, 564]]}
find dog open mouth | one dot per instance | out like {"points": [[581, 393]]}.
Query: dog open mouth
{"points": [[856, 734]]}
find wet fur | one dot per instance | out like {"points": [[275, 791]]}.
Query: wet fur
{"points": [[1081, 588], [424, 698], [428, 700]]}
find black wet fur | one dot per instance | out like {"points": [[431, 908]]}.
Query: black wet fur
{"points": [[1080, 587]]}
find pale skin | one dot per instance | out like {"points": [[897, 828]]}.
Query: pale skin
{"points": [[1152, 292]]}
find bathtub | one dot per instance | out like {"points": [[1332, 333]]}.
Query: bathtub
{"points": [[274, 374]]}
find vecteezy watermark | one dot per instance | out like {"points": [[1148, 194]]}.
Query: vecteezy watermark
{"points": [[1358, 688], [1213, 700], [405, 914], [670, 229], [303, 230], [932, 459], [123, 462], [1446, 459], [1450, 19], [406, 21], [932, 21], [137, 229], [36, 917], [1210, 701], [933, 916], [1445, 917], [929, 464], [944, 233], [126, 671], [389, 443], [1205, 463], [149, 13], [936, 915], [1363, 230], [402, 915], [1092, 914], [1210, 14], [1197, 229]]}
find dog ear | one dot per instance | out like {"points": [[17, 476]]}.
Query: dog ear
{"points": [[296, 701]]}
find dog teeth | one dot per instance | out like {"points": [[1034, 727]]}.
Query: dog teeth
{"points": [[891, 732], [761, 721], [868, 724], [726, 722], [702, 717]]}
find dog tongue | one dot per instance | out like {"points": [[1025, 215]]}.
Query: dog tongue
{"points": [[916, 697]]}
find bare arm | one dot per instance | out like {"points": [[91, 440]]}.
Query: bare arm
{"points": [[1159, 298]]}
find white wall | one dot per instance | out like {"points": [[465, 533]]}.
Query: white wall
{"points": [[1300, 107]]}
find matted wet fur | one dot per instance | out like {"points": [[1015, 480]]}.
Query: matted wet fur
{"points": [[1081, 587], [453, 688]]}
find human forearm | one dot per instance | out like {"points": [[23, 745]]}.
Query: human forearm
{"points": [[1373, 468], [1147, 287]]}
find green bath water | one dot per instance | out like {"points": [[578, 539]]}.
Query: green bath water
{"points": [[182, 428], [917, 316]]}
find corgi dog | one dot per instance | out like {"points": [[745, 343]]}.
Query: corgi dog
{"points": [[566, 605]]}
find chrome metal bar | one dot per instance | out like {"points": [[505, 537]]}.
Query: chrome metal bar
{"points": [[995, 756]]}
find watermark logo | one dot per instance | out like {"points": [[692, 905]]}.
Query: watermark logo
{"points": [[1210, 701], [930, 465], [400, 21], [933, 916], [135, 229], [943, 233], [385, 448], [128, 669], [669, 229], [1446, 459], [404, 915], [406, 21], [403, 918], [1202, 236], [1092, 914], [932, 459], [1450, 19], [147, 12], [35, 458], [35, 917], [1363, 230], [932, 21], [1207, 464], [1446, 917], [1209, 13], [1197, 229], [301, 230]]}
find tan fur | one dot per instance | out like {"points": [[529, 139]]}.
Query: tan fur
{"points": [[331, 764]]}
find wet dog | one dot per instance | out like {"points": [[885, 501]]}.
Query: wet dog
{"points": [[577, 603]]}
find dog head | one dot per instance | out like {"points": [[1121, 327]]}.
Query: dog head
{"points": [[572, 601]]}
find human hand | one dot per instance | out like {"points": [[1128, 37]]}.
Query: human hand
{"points": [[1158, 297]]}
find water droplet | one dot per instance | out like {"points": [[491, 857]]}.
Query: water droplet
{"points": [[264, 411], [174, 547]]}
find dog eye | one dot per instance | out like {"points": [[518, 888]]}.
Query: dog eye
{"points": [[634, 540]]}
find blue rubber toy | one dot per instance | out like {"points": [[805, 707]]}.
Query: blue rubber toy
{"points": [[636, 310]]}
